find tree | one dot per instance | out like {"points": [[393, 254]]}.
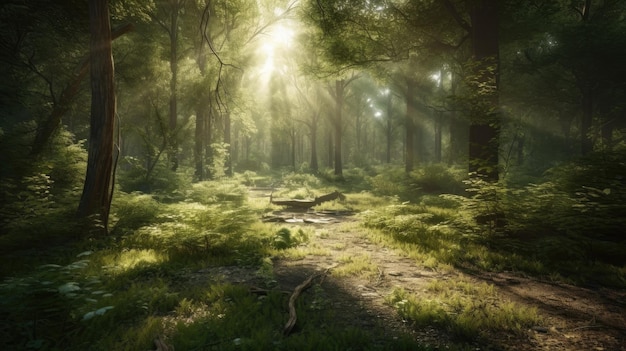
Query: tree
{"points": [[485, 124], [167, 16], [98, 188]]}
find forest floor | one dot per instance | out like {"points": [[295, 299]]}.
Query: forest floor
{"points": [[573, 318]]}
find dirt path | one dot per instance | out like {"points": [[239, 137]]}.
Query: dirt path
{"points": [[574, 318]]}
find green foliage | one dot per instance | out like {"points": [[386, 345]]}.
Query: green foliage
{"points": [[218, 192], [286, 238], [217, 168], [132, 211], [300, 180], [389, 182], [428, 179], [133, 175], [437, 179], [39, 307], [38, 201]]}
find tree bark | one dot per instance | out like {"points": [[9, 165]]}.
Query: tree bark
{"points": [[198, 155], [314, 166], [228, 166], [410, 128], [438, 134], [339, 88], [388, 131], [485, 129], [173, 120], [587, 121], [98, 187]]}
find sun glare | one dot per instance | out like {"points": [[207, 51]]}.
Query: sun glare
{"points": [[276, 41]]}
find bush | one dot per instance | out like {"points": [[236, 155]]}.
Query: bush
{"points": [[134, 176], [437, 179], [390, 182]]}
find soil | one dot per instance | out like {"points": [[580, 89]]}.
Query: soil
{"points": [[574, 318]]}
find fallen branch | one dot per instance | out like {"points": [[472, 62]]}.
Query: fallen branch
{"points": [[296, 293]]}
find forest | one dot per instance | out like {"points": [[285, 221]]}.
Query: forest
{"points": [[313, 175]]}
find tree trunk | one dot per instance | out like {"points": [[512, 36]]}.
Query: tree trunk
{"points": [[198, 155], [438, 132], [329, 157], [587, 121], [388, 131], [173, 33], [485, 128], [458, 131], [98, 187], [409, 128], [314, 167], [228, 166], [339, 86]]}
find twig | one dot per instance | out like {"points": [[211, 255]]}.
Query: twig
{"points": [[587, 327]]}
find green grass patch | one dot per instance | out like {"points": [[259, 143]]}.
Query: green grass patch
{"points": [[466, 309]]}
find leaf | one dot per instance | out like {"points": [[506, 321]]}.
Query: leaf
{"points": [[84, 253], [98, 312], [607, 191], [68, 288], [50, 266]]}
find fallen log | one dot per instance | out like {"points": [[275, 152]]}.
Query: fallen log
{"points": [[308, 203]]}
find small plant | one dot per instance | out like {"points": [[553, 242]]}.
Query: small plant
{"points": [[284, 238]]}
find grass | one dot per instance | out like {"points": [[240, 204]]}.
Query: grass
{"points": [[355, 265], [466, 309]]}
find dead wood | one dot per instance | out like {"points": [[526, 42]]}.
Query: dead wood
{"points": [[299, 203], [296, 293]]}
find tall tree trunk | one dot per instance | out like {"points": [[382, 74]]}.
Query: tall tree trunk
{"points": [[485, 128], [98, 187], [459, 131], [409, 127], [438, 132], [173, 121], [227, 140], [329, 143], [198, 155], [587, 120], [292, 137], [314, 166], [339, 87], [388, 131], [208, 137]]}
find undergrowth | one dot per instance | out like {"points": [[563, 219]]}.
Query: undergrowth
{"points": [[122, 291]]}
